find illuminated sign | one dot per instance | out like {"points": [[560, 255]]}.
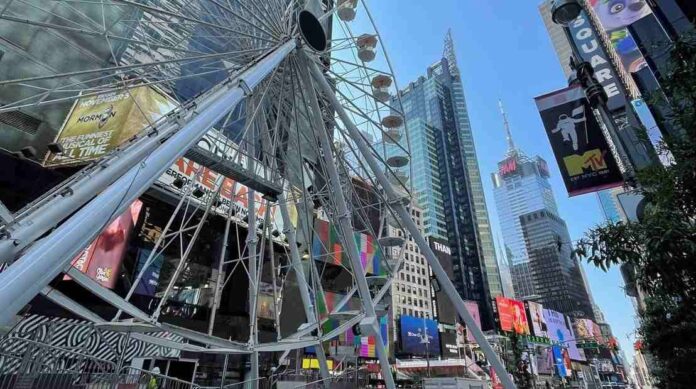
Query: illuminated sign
{"points": [[313, 363], [508, 166]]}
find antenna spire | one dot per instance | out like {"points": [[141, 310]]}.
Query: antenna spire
{"points": [[448, 53], [508, 134]]}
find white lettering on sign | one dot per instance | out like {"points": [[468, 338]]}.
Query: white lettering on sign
{"points": [[442, 248], [592, 51]]}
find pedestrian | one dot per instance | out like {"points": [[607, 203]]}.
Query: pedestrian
{"points": [[153, 384]]}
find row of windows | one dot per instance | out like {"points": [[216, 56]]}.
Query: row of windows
{"points": [[411, 312], [412, 301]]}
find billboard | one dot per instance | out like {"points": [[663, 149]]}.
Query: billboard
{"points": [[98, 124], [561, 333], [326, 246], [445, 310], [472, 307], [536, 318], [615, 17], [101, 260], [583, 329], [511, 315], [147, 286], [232, 194], [582, 152], [448, 345], [419, 336]]}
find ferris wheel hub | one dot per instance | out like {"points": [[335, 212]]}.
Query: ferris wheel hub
{"points": [[311, 30]]}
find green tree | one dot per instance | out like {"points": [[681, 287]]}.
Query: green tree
{"points": [[520, 364], [661, 247]]}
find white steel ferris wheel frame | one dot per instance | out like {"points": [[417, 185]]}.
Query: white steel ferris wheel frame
{"points": [[81, 211]]}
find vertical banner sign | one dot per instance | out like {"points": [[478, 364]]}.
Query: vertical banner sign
{"points": [[591, 50], [472, 307], [536, 317], [581, 151]]}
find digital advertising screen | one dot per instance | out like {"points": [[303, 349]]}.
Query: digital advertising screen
{"points": [[419, 336], [536, 318], [561, 333], [512, 315], [472, 307]]}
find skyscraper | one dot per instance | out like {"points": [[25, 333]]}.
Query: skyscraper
{"points": [[520, 186], [556, 277], [446, 178], [536, 239]]}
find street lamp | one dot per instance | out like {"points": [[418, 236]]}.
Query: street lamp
{"points": [[563, 13]]}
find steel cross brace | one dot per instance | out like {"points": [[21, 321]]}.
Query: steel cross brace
{"points": [[370, 324]]}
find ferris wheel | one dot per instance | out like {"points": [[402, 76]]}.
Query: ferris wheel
{"points": [[274, 131]]}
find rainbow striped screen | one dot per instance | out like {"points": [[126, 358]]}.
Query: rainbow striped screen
{"points": [[365, 345], [326, 246]]}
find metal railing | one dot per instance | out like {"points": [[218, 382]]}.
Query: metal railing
{"points": [[31, 364]]}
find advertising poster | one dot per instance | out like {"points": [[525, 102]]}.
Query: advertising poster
{"points": [[583, 329], [419, 336], [512, 315], [101, 260], [577, 140], [615, 17], [597, 333], [561, 334], [150, 280], [536, 317], [265, 308], [544, 361], [472, 307], [98, 124], [559, 361]]}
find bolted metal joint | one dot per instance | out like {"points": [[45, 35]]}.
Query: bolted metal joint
{"points": [[369, 325]]}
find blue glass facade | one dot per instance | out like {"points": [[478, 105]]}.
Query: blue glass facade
{"points": [[446, 179], [520, 186]]}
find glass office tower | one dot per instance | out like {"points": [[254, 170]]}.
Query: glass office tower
{"points": [[446, 178], [536, 240], [520, 186]]}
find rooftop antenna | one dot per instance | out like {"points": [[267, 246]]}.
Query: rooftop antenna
{"points": [[508, 134]]}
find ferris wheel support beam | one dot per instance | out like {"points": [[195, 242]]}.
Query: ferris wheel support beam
{"points": [[370, 324], [30, 224], [307, 303], [398, 204], [48, 257]]}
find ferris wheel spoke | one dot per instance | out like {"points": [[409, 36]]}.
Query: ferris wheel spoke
{"points": [[197, 21], [271, 20]]}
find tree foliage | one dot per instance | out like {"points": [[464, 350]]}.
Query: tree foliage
{"points": [[662, 246]]}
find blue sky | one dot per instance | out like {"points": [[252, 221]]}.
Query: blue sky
{"points": [[503, 52]]}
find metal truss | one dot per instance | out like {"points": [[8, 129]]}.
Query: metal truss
{"points": [[310, 135]]}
